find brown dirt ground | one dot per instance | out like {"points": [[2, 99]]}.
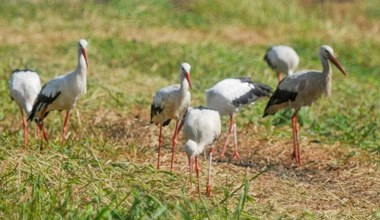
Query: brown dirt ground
{"points": [[333, 181]]}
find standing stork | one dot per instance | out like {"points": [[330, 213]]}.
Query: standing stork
{"points": [[282, 59], [202, 128], [24, 87], [302, 89], [229, 95], [169, 103], [63, 92]]}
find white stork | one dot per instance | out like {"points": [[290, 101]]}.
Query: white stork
{"points": [[302, 89], [282, 59], [229, 95], [24, 87], [202, 128], [169, 103], [63, 92]]}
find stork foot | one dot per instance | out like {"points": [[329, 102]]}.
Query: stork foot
{"points": [[208, 190], [296, 158], [236, 155]]}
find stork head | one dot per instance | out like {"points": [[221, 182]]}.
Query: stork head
{"points": [[327, 53], [185, 71], [82, 45], [191, 149]]}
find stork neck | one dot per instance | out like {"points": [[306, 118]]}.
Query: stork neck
{"points": [[82, 65], [326, 66], [327, 72], [184, 83]]}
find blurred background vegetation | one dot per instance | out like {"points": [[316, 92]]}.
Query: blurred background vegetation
{"points": [[135, 48]]}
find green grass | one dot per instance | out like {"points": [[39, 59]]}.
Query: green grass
{"points": [[105, 170]]}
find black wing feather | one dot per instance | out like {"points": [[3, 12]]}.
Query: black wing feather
{"points": [[260, 90], [42, 101], [279, 97], [155, 110]]}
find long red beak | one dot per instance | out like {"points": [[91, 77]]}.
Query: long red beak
{"points": [[85, 55], [337, 64], [187, 75]]}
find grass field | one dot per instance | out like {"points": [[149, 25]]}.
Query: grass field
{"points": [[106, 169]]}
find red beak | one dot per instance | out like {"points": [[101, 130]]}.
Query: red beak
{"points": [[187, 76], [84, 53], [337, 64]]}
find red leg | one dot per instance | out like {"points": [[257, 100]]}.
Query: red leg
{"points": [[25, 127], [208, 187], [197, 169], [236, 153], [229, 133], [298, 144], [44, 132], [175, 136], [190, 170], [44, 135], [65, 126], [296, 152], [181, 124], [41, 127], [160, 140], [38, 132]]}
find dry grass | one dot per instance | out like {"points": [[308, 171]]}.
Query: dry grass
{"points": [[111, 151], [334, 180]]}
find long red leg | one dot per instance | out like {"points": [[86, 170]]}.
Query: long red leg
{"points": [[160, 141], [25, 127], [64, 129], [44, 135], [208, 187], [298, 144], [44, 132], [229, 133], [190, 170], [175, 136], [236, 153], [296, 152], [38, 132], [197, 169]]}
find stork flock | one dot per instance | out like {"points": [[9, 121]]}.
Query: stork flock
{"points": [[201, 125]]}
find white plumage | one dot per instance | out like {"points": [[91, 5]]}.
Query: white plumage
{"points": [[282, 59], [202, 127], [302, 89], [230, 95], [63, 92], [170, 103], [24, 87]]}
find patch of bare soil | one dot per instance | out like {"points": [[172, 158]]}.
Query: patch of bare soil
{"points": [[333, 180]]}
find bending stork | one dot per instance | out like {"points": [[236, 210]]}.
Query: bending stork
{"points": [[282, 59], [169, 103], [63, 92], [229, 95], [302, 89], [202, 128], [24, 87]]}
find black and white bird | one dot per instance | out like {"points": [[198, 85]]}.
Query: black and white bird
{"points": [[169, 103], [202, 128], [302, 89], [24, 87], [282, 59], [230, 95], [63, 92]]}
